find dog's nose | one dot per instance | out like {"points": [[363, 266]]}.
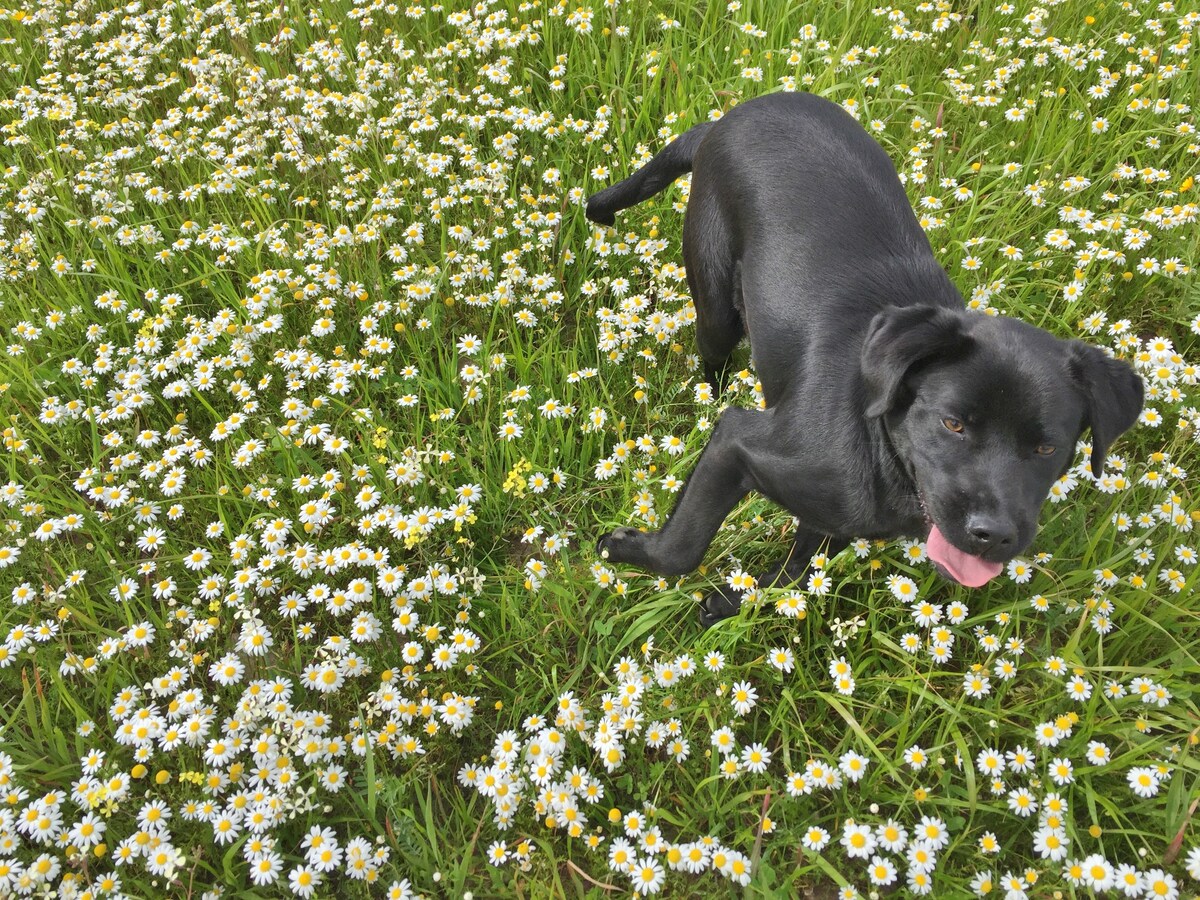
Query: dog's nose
{"points": [[990, 533]]}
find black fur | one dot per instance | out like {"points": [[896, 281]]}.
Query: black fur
{"points": [[799, 233]]}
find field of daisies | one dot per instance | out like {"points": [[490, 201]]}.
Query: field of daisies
{"points": [[317, 388]]}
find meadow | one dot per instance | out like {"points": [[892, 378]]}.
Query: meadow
{"points": [[318, 388]]}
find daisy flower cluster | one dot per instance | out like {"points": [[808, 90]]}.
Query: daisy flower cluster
{"points": [[535, 768]]}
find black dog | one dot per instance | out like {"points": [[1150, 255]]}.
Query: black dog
{"points": [[891, 409]]}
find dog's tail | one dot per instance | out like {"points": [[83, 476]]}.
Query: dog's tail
{"points": [[674, 160]]}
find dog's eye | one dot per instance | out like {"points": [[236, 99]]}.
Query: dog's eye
{"points": [[952, 424], [1045, 450]]}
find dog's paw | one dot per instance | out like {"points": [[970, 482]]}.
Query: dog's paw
{"points": [[718, 605], [598, 212], [616, 545]]}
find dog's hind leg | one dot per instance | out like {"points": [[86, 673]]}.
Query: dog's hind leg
{"points": [[725, 602], [719, 327], [715, 280], [721, 478]]}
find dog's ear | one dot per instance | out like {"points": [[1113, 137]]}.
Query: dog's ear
{"points": [[1112, 391], [898, 338]]}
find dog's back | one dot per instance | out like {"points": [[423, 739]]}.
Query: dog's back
{"points": [[796, 168], [783, 161]]}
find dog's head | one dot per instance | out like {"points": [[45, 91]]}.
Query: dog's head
{"points": [[984, 413]]}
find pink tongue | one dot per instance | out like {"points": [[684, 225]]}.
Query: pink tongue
{"points": [[968, 570]]}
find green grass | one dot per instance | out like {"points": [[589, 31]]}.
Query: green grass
{"points": [[274, 198]]}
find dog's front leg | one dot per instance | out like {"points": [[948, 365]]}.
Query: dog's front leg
{"points": [[721, 478]]}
